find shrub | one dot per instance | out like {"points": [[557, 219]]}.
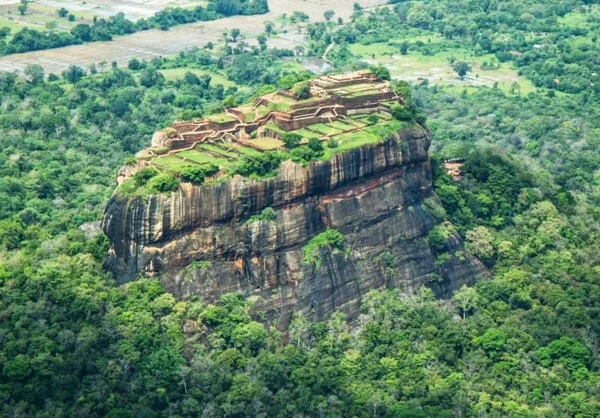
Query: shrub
{"points": [[329, 238], [302, 90], [401, 112], [291, 140], [332, 143], [372, 119], [267, 215], [141, 177], [315, 144], [197, 174], [381, 72], [259, 165], [163, 183], [437, 238]]}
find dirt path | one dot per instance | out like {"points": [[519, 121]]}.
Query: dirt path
{"points": [[152, 43]]}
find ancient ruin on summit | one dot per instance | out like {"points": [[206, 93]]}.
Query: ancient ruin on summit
{"points": [[326, 114]]}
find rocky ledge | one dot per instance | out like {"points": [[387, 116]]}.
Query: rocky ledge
{"points": [[207, 240]]}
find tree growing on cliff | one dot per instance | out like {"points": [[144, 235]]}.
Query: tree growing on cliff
{"points": [[401, 112], [163, 183]]}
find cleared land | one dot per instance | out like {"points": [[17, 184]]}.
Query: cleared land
{"points": [[133, 9], [153, 43], [437, 69]]}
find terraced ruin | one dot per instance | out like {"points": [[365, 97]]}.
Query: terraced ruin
{"points": [[343, 111]]}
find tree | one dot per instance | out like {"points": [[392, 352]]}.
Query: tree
{"points": [[163, 183], [461, 68], [234, 34], [262, 41], [466, 299], [23, 6], [301, 90], [381, 72], [73, 74], [134, 64], [515, 88], [71, 18], [401, 112], [404, 48], [316, 145], [291, 140], [35, 73], [150, 77], [480, 242], [229, 101], [328, 15], [269, 28], [493, 342], [62, 12]]}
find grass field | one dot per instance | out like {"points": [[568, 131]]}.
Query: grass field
{"points": [[581, 18], [177, 73], [415, 67], [267, 144]]}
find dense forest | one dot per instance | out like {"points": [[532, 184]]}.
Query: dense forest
{"points": [[523, 344]]}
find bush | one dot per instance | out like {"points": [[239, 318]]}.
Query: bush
{"points": [[437, 238], [267, 215], [401, 112], [332, 143], [381, 72], [302, 90], [260, 165], [197, 174], [329, 238], [141, 177], [291, 140], [316, 145], [163, 183]]}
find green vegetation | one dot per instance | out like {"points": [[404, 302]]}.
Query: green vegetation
{"points": [[301, 90], [28, 39], [74, 343], [330, 238], [267, 215], [197, 174], [260, 166]]}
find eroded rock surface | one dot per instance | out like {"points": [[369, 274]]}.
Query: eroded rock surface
{"points": [[198, 240]]}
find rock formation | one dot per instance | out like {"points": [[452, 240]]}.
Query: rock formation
{"points": [[199, 241]]}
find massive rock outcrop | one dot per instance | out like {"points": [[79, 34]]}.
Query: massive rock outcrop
{"points": [[199, 242]]}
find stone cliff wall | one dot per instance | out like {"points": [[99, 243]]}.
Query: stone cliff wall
{"points": [[198, 240]]}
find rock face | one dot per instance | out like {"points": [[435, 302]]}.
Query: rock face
{"points": [[199, 242]]}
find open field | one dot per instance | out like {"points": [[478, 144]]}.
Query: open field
{"points": [[153, 43], [133, 9], [415, 67], [216, 78]]}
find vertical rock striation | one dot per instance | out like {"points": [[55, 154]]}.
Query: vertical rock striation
{"points": [[199, 242]]}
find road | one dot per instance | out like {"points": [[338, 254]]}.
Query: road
{"points": [[153, 43]]}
